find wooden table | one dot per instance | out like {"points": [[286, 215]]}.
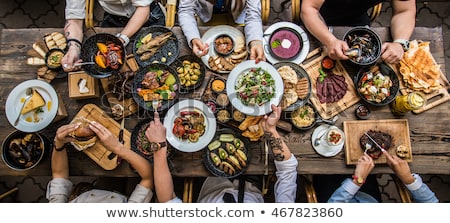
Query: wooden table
{"points": [[430, 131]]}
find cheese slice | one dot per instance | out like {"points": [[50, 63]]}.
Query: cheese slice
{"points": [[33, 103]]}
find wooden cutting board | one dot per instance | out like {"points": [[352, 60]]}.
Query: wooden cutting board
{"points": [[328, 110], [434, 98], [98, 152], [397, 128]]}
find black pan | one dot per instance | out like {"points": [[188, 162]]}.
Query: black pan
{"points": [[179, 63], [317, 119]]}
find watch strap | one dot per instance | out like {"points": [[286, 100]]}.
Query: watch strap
{"points": [[358, 180], [404, 43], [124, 37]]}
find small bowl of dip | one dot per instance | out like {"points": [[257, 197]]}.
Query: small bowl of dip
{"points": [[224, 45], [285, 43], [53, 58]]}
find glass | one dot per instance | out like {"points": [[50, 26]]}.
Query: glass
{"points": [[333, 137], [405, 103]]}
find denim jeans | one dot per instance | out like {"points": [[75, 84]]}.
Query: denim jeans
{"points": [[156, 18]]}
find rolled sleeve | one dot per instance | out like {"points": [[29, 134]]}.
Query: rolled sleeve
{"points": [[139, 3], [286, 185], [186, 18], [253, 24], [421, 192], [58, 190], [75, 9], [141, 194]]}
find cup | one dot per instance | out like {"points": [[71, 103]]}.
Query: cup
{"points": [[333, 137], [405, 103]]}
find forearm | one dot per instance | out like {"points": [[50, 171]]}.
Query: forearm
{"points": [[60, 163], [186, 18], [314, 22], [163, 177], [279, 148], [403, 19], [74, 29], [136, 21], [139, 163]]}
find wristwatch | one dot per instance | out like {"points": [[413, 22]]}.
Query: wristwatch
{"points": [[154, 146], [124, 37], [404, 43], [358, 180]]}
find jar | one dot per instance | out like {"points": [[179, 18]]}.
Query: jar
{"points": [[405, 103]]}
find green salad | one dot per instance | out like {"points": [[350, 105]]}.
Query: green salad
{"points": [[255, 87]]}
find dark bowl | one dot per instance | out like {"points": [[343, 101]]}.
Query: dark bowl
{"points": [[385, 70], [367, 40], [26, 156], [179, 63], [276, 49], [317, 119], [170, 50], [139, 76], [216, 171], [362, 112], [140, 143], [90, 49], [53, 59], [220, 52]]}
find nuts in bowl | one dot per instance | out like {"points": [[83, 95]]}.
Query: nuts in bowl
{"points": [[190, 70]]}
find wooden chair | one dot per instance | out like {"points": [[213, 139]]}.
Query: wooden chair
{"points": [[169, 9], [311, 196], [373, 12], [188, 189]]}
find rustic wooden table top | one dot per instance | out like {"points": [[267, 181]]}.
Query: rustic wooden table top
{"points": [[429, 131]]}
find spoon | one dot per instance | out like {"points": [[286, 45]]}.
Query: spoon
{"points": [[29, 93], [317, 140]]}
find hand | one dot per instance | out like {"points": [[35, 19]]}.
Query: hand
{"points": [[270, 121], [336, 49], [199, 48], [62, 134], [400, 168], [156, 132], [110, 141], [70, 58], [392, 52], [257, 51], [364, 166]]}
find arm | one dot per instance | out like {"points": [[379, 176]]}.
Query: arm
{"points": [[186, 17], [253, 30], [315, 24], [156, 132], [420, 191], [72, 30], [137, 20], [139, 163], [285, 161], [402, 26]]}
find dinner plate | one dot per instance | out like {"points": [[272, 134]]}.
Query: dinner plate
{"points": [[42, 119], [303, 52], [190, 105], [301, 73], [254, 110], [323, 148], [210, 35], [170, 50]]}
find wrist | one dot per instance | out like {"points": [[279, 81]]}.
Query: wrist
{"points": [[124, 38], [57, 147], [358, 180]]}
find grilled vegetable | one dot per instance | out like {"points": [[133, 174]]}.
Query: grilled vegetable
{"points": [[233, 160], [215, 159], [223, 154], [230, 148], [227, 168], [214, 145], [238, 143], [226, 137]]}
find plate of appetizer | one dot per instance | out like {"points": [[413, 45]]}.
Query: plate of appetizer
{"points": [[190, 125]]}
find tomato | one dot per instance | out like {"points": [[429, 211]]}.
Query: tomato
{"points": [[178, 130]]}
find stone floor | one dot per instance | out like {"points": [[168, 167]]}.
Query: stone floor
{"points": [[50, 13]]}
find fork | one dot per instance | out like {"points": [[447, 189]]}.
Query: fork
{"points": [[155, 104]]}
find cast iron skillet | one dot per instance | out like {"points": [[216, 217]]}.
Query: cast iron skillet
{"points": [[179, 62], [317, 119]]}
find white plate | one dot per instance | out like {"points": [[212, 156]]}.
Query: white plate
{"points": [[254, 110], [210, 35], [323, 148], [303, 52], [13, 105], [190, 105]]}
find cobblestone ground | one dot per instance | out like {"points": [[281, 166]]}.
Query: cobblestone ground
{"points": [[50, 13]]}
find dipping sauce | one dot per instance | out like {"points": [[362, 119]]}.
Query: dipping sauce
{"points": [[285, 43], [223, 44], [362, 112], [54, 58]]}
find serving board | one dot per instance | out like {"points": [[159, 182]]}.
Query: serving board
{"points": [[397, 128], [98, 153], [434, 98], [129, 105], [328, 110]]}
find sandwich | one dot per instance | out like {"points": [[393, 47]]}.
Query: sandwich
{"points": [[83, 135]]}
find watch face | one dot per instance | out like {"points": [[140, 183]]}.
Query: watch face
{"points": [[154, 146]]}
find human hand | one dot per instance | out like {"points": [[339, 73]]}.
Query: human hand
{"points": [[336, 49], [257, 51], [110, 141], [364, 166], [269, 122], [62, 134], [199, 48], [400, 168], [156, 132], [392, 52], [70, 58]]}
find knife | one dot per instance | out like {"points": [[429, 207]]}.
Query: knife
{"points": [[371, 139], [122, 126]]}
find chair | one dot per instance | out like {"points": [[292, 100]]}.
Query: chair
{"points": [[373, 12], [311, 196], [188, 189], [169, 9]]}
